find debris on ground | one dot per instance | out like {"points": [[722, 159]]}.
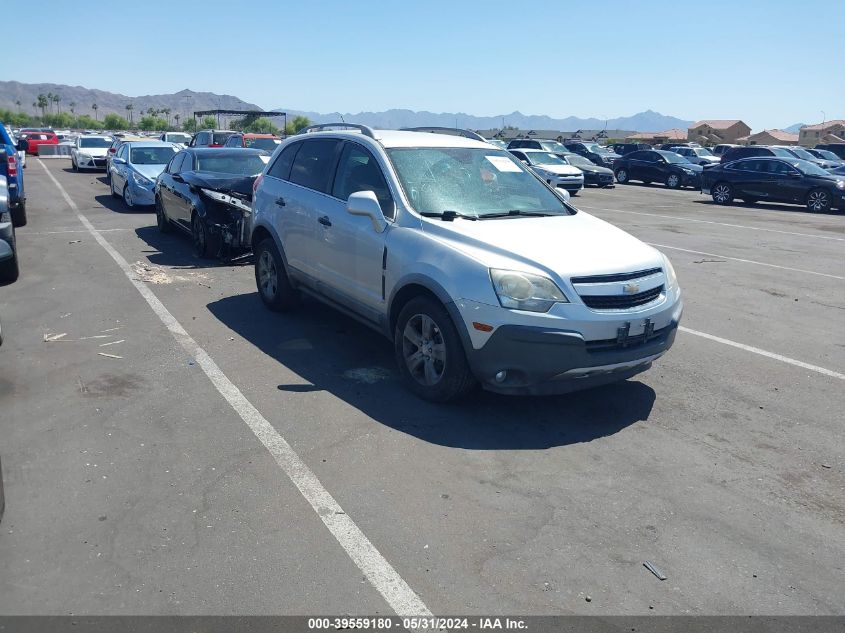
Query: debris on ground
{"points": [[654, 570], [74, 242], [151, 273], [49, 338], [588, 598]]}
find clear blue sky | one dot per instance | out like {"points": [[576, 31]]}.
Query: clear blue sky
{"points": [[748, 59]]}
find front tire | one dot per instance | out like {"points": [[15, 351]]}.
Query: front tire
{"points": [[819, 201], [722, 193], [19, 214], [74, 165], [10, 270], [162, 220], [205, 244], [673, 181], [621, 176], [127, 197], [429, 352], [271, 278], [111, 188]]}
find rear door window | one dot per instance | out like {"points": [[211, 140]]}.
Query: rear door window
{"points": [[313, 165], [281, 167]]}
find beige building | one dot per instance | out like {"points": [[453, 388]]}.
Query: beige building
{"points": [[829, 132], [653, 138], [715, 131], [769, 137]]}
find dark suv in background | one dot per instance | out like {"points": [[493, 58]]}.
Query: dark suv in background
{"points": [[627, 148], [595, 153], [537, 143], [650, 166], [750, 151], [210, 138], [836, 148]]}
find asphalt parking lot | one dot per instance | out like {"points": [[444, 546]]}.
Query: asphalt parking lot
{"points": [[134, 486]]}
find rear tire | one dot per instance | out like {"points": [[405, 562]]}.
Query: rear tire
{"points": [[111, 188], [271, 278], [621, 176], [819, 201], [19, 214], [722, 193], [429, 352], [127, 197], [673, 181]]}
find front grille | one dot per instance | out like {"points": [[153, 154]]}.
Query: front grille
{"points": [[601, 279], [621, 302]]}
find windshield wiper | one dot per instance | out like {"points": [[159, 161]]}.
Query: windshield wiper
{"points": [[448, 215], [513, 213]]}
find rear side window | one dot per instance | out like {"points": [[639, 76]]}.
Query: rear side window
{"points": [[174, 165], [313, 165], [281, 168], [220, 137], [187, 163]]}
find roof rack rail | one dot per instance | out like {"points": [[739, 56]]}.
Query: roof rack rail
{"points": [[365, 130], [451, 131]]}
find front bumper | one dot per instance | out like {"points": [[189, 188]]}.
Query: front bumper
{"points": [[599, 179], [541, 361], [142, 196], [573, 184], [693, 180], [90, 162]]}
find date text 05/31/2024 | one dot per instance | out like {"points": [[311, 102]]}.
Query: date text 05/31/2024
{"points": [[416, 623]]}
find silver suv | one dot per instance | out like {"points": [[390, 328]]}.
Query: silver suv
{"points": [[474, 268]]}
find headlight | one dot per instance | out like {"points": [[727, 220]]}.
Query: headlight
{"points": [[524, 291], [140, 180], [689, 172], [671, 277], [840, 184], [227, 199], [85, 156]]}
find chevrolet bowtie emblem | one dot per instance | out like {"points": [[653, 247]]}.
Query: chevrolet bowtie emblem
{"points": [[631, 289]]}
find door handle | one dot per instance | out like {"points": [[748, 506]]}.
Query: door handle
{"points": [[325, 221], [280, 201]]}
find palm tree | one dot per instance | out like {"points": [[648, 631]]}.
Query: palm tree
{"points": [[35, 106], [166, 112], [43, 103], [18, 103], [129, 108], [56, 99], [50, 100], [72, 105], [177, 117], [95, 107]]}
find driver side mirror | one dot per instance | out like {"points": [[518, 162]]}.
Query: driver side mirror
{"points": [[118, 161], [178, 178], [365, 204]]}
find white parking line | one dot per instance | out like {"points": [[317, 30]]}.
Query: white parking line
{"points": [[733, 226], [363, 553], [748, 261], [762, 352]]}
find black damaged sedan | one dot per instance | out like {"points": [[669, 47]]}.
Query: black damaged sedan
{"points": [[207, 193]]}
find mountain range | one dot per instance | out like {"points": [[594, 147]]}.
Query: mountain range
{"points": [[648, 121], [187, 101], [183, 102]]}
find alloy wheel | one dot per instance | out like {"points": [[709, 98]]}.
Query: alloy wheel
{"points": [[722, 194], [268, 276], [424, 349], [818, 201]]}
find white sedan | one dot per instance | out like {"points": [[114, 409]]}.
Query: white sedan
{"points": [[552, 169], [89, 152]]}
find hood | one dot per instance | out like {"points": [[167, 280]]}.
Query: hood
{"points": [[560, 170], [594, 169], [224, 183], [149, 171], [690, 166], [94, 151], [709, 159], [563, 246], [611, 156]]}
